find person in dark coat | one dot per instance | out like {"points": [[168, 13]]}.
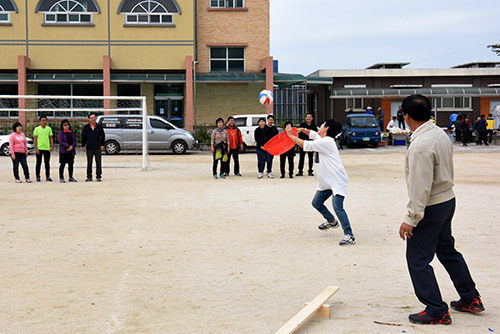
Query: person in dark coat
{"points": [[93, 138], [310, 125], [465, 131], [483, 132], [290, 154], [67, 146]]}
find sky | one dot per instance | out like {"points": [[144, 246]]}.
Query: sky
{"points": [[307, 35]]}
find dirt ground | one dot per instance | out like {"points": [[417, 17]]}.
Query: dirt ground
{"points": [[171, 250]]}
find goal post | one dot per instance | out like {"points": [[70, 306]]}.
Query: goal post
{"points": [[113, 109]]}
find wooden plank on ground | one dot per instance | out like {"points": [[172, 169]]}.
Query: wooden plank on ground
{"points": [[293, 324], [322, 312]]}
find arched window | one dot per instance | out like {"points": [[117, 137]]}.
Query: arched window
{"points": [[68, 11], [149, 12], [6, 7]]}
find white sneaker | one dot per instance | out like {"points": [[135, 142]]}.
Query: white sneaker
{"points": [[270, 175], [347, 240], [260, 175]]}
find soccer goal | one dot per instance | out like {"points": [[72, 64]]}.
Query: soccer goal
{"points": [[122, 117]]}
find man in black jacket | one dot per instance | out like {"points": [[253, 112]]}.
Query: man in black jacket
{"points": [[308, 124], [270, 133], [93, 144]]}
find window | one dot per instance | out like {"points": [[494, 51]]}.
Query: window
{"points": [[6, 104], [6, 7], [149, 12], [157, 124], [227, 3], [240, 121], [68, 11], [230, 59], [453, 103], [128, 90], [290, 103], [357, 103]]}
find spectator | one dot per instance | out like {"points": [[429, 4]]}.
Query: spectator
{"points": [[220, 147], [290, 155], [351, 110], [380, 118], [465, 130], [271, 132], [332, 177], [19, 151], [433, 119], [235, 144], [401, 119], [67, 145], [308, 124], [260, 136], [369, 110], [458, 129], [482, 130], [491, 126], [391, 124], [44, 143], [93, 138]]}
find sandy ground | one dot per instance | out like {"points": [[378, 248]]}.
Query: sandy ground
{"points": [[171, 250]]}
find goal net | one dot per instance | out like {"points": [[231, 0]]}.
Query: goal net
{"points": [[122, 118]]}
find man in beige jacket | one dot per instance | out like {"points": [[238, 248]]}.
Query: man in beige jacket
{"points": [[427, 224]]}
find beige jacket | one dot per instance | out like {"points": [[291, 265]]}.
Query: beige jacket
{"points": [[428, 170]]}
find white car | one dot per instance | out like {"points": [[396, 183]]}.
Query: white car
{"points": [[247, 125], [4, 144]]}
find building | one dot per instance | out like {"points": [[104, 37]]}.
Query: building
{"points": [[472, 88], [194, 60]]}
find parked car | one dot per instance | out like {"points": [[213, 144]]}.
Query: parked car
{"points": [[124, 132], [4, 144], [361, 129], [247, 125]]}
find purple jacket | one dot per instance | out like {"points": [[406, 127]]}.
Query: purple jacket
{"points": [[63, 142]]}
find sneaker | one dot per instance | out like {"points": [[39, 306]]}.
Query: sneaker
{"points": [[282, 176], [326, 225], [299, 174], [62, 181], [270, 175], [291, 176], [310, 174], [89, 179], [99, 179], [19, 181], [237, 174], [260, 175], [215, 176], [72, 180], [48, 179], [423, 318], [38, 179], [475, 306], [222, 175], [348, 240]]}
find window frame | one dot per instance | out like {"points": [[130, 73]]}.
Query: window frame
{"points": [[465, 101], [149, 14], [351, 101], [2, 12], [68, 13], [226, 4], [227, 59]]}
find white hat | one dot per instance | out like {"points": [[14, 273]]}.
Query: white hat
{"points": [[369, 108]]}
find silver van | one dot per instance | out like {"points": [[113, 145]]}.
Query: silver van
{"points": [[124, 132]]}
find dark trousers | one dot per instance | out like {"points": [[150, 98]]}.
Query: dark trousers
{"points": [[46, 162], [20, 159], [61, 170], [283, 157], [227, 165], [302, 157], [216, 162], [490, 136], [458, 136], [432, 236], [261, 160], [91, 153], [483, 137], [269, 161], [401, 124], [465, 136]]}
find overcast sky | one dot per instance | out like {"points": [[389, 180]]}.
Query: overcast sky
{"points": [[307, 35]]}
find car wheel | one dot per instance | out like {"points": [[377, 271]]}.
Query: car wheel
{"points": [[111, 147], [179, 147], [5, 150]]}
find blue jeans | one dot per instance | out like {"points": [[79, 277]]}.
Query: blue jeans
{"points": [[338, 205], [269, 159], [261, 159]]}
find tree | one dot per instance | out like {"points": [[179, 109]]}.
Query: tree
{"points": [[495, 48]]}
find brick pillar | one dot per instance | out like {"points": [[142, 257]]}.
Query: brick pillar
{"points": [[266, 65], [189, 98], [23, 63], [485, 106], [386, 107], [106, 82]]}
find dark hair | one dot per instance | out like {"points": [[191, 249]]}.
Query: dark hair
{"points": [[394, 117], [459, 117], [41, 117], [489, 115], [230, 118], [310, 113], [270, 116], [482, 116], [64, 121], [334, 128], [92, 114], [286, 123], [418, 107], [261, 119], [15, 125], [219, 120]]}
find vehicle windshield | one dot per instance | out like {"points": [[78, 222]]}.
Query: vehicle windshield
{"points": [[363, 122]]}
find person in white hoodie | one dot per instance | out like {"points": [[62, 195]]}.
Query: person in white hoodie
{"points": [[332, 177]]}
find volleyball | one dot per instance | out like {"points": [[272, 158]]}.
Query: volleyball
{"points": [[266, 97]]}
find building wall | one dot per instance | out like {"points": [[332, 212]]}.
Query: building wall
{"points": [[223, 100], [249, 26]]}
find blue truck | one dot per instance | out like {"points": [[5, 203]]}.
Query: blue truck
{"points": [[361, 129]]}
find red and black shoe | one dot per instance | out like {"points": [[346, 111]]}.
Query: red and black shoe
{"points": [[423, 318], [474, 306]]}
